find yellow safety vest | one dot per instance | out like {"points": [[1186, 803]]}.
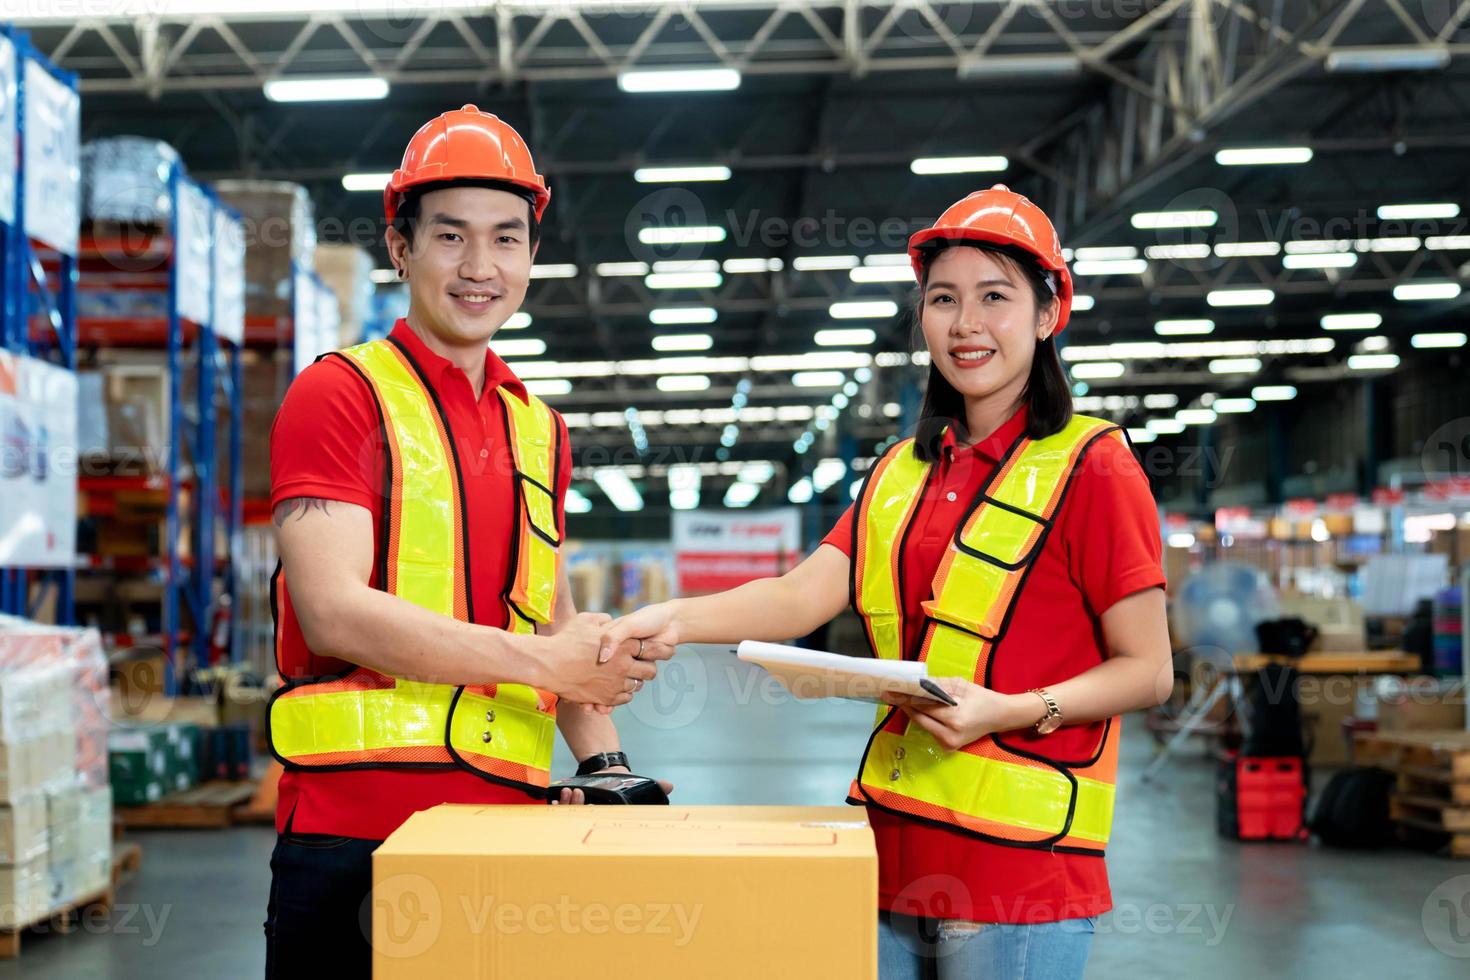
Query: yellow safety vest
{"points": [[364, 719], [993, 788]]}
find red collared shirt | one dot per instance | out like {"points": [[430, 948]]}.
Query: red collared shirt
{"points": [[1105, 546], [325, 443]]}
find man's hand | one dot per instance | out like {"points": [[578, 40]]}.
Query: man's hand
{"points": [[570, 658], [656, 626], [576, 797]]}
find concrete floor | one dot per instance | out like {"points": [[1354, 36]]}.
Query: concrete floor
{"points": [[1187, 903]]}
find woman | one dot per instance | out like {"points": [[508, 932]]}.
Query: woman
{"points": [[1015, 548]]}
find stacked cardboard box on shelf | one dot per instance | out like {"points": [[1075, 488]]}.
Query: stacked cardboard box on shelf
{"points": [[55, 805], [280, 229], [347, 271]]}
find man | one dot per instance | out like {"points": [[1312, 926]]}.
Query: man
{"points": [[428, 630]]}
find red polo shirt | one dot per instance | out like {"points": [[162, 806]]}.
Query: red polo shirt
{"points": [[1105, 546], [325, 443]]}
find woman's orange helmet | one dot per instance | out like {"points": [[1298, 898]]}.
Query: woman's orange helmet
{"points": [[466, 144], [1003, 217]]}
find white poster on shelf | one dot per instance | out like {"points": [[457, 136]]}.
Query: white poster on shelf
{"points": [[53, 173], [192, 263], [303, 317], [718, 550], [229, 277], [8, 133], [38, 463]]}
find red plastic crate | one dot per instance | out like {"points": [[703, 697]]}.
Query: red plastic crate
{"points": [[1269, 797]]}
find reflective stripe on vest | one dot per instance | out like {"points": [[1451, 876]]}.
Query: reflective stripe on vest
{"points": [[365, 719], [990, 788]]}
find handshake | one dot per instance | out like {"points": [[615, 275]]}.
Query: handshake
{"points": [[598, 661]]}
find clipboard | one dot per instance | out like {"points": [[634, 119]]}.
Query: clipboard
{"points": [[812, 674]]}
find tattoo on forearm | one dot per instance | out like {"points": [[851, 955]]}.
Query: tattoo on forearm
{"points": [[298, 506]]}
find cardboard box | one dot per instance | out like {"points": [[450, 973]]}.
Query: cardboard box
{"points": [[1413, 710], [347, 270], [1340, 623], [1328, 699], [23, 829], [661, 893], [25, 893], [18, 769]]}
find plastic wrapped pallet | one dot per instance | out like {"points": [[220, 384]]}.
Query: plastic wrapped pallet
{"points": [[62, 701], [348, 271], [280, 228], [125, 179]]}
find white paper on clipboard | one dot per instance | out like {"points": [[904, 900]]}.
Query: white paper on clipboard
{"points": [[809, 674]]}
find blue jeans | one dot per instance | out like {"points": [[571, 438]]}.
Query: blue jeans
{"points": [[918, 948]]}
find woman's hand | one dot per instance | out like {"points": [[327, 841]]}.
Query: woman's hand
{"points": [[655, 625], [978, 712]]}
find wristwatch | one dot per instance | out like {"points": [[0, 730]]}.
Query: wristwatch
{"points": [[1052, 720], [601, 761]]}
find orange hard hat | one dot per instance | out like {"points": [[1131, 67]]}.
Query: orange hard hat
{"points": [[1003, 217], [466, 144]]}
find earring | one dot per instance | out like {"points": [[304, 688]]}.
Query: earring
{"points": [[400, 273]]}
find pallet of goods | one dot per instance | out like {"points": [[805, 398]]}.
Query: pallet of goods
{"points": [[1431, 802]]}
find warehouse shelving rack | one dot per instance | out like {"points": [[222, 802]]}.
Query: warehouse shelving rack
{"points": [[29, 285], [200, 478]]}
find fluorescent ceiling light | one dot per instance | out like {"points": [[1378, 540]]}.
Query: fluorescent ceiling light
{"points": [[1141, 435], [1008, 65], [1325, 260], [927, 166], [1180, 539], [1149, 220], [549, 386], [1257, 156], [1195, 416], [519, 320], [1165, 427], [619, 488], [1081, 302], [1401, 243], [1351, 321], [1373, 344], [1105, 253], [801, 491], [858, 337], [684, 499], [564, 271], [1109, 267], [1177, 252], [827, 472], [683, 382], [683, 342], [1273, 393], [686, 265], [682, 314], [1160, 400], [1234, 250], [1240, 297], [679, 175], [683, 280], [1183, 328], [680, 80], [1397, 57], [888, 258], [1235, 365], [610, 269], [752, 265], [818, 379], [577, 502], [684, 486], [1445, 242], [326, 89], [757, 471], [1429, 340], [677, 235], [365, 182], [862, 308], [1416, 212], [1233, 405], [881, 273], [1373, 362], [383, 275], [1098, 369], [1410, 291], [741, 494], [519, 347], [818, 263]]}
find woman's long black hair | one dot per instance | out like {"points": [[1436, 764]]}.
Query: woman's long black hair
{"points": [[1047, 395]]}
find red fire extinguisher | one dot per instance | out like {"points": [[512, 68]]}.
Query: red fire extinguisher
{"points": [[219, 631]]}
